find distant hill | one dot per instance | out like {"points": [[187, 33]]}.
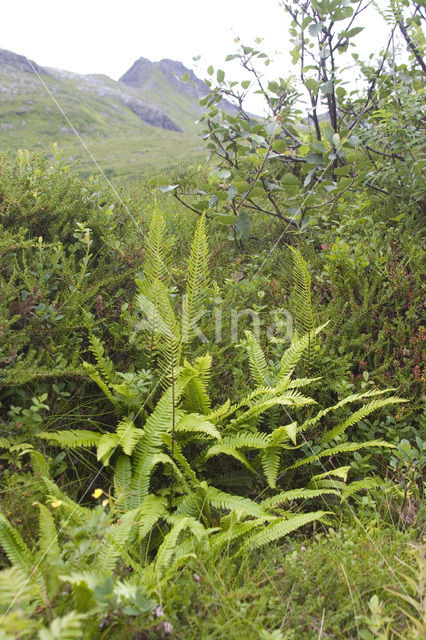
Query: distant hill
{"points": [[145, 120]]}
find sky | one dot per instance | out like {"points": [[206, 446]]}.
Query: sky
{"points": [[107, 36]]}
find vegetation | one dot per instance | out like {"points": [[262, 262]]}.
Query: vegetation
{"points": [[212, 384]]}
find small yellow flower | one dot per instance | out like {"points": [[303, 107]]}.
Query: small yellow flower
{"points": [[105, 502], [56, 503], [97, 493]]}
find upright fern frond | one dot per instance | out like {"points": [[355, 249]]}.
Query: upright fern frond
{"points": [[294, 353], [257, 361], [157, 251], [14, 546], [196, 282], [105, 365], [304, 320], [197, 374]]}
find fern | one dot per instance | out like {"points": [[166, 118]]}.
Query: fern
{"points": [[196, 282], [66, 628], [14, 546], [72, 439], [294, 353], [257, 361], [303, 304], [196, 396], [157, 251], [122, 480], [341, 448], [279, 529]]}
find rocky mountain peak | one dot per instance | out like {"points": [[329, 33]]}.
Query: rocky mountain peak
{"points": [[19, 63], [138, 74]]}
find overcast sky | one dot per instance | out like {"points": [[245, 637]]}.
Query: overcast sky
{"points": [[106, 36]]}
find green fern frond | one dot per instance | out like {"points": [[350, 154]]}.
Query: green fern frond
{"points": [[95, 376], [361, 485], [279, 529], [340, 472], [355, 397], [117, 540], [295, 494], [14, 546], [196, 396], [222, 449], [156, 426], [196, 282], [359, 415], [104, 365], [73, 438], [128, 434], [294, 353], [48, 540], [225, 501], [157, 250], [257, 360], [77, 513], [107, 444], [66, 628], [151, 510], [341, 448], [14, 585], [270, 460], [196, 423], [168, 547], [303, 315], [122, 481]]}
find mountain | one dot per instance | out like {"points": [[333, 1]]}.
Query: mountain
{"points": [[145, 120]]}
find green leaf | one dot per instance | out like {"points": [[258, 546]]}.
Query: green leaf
{"points": [[225, 218], [220, 75], [351, 32], [315, 29]]}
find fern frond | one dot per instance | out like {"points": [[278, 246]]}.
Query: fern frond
{"points": [[48, 540], [196, 282], [277, 530], [128, 434], [225, 501], [257, 361], [227, 450], [360, 485], [355, 397], [295, 494], [157, 250], [14, 546], [270, 459], [117, 540], [304, 320], [122, 481], [77, 513], [66, 628], [156, 426], [104, 364], [341, 448], [196, 396], [14, 585], [168, 547], [196, 423], [107, 444], [151, 510], [293, 354], [73, 438], [359, 415]]}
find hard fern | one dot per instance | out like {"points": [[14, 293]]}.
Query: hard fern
{"points": [[304, 321]]}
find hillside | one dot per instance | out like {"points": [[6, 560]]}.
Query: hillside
{"points": [[145, 120]]}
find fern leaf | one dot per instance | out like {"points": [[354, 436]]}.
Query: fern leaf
{"points": [[223, 449], [122, 481], [196, 396], [196, 282], [303, 304], [157, 250], [294, 353], [341, 448], [270, 460], [73, 438], [361, 485], [66, 628], [225, 501], [107, 444], [48, 535], [295, 494], [14, 546], [104, 364], [283, 527], [129, 435], [196, 423], [257, 361], [151, 510], [359, 415]]}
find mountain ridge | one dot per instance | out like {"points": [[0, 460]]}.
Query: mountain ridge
{"points": [[157, 113]]}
